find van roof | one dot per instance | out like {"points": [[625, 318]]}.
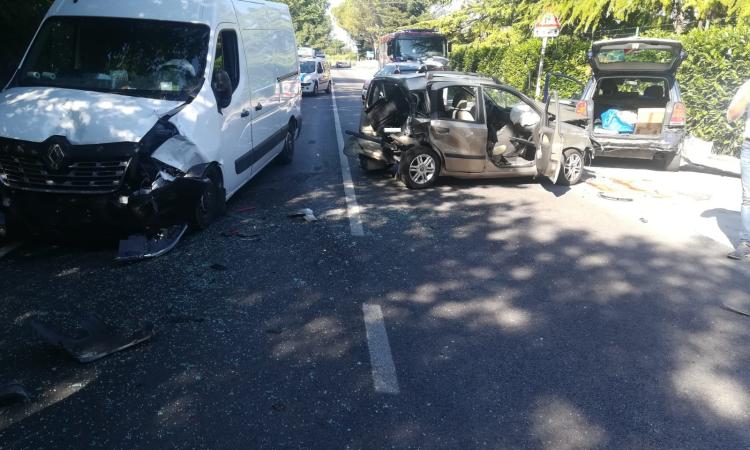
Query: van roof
{"points": [[209, 12]]}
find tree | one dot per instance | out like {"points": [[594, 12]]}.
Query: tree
{"points": [[312, 26], [370, 19], [17, 26]]}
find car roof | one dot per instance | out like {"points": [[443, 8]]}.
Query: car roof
{"points": [[419, 81]]}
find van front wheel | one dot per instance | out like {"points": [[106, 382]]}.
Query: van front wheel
{"points": [[315, 90], [212, 202]]}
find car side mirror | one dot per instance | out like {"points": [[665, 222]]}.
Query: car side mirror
{"points": [[222, 87]]}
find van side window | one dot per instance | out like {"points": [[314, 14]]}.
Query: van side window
{"points": [[228, 56]]}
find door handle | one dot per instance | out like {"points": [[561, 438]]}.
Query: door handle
{"points": [[442, 130], [258, 107], [245, 113]]}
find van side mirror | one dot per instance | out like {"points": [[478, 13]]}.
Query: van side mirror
{"points": [[320, 70], [450, 47], [222, 87]]}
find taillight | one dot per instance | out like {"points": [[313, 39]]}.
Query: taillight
{"points": [[582, 108], [678, 115]]}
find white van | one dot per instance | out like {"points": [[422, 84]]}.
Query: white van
{"points": [[144, 114], [315, 75]]}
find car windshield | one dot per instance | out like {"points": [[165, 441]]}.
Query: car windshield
{"points": [[412, 49], [143, 58], [307, 67]]}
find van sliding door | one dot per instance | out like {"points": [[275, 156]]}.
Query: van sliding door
{"points": [[268, 131]]}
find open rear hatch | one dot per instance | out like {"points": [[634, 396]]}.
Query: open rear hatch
{"points": [[636, 55]]}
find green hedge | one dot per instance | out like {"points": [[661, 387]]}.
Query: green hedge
{"points": [[718, 63]]}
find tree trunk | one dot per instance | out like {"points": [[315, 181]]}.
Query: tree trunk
{"points": [[678, 16]]}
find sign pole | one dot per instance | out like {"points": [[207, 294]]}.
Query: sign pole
{"points": [[541, 68]]}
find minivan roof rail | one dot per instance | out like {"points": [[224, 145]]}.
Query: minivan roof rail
{"points": [[453, 74]]}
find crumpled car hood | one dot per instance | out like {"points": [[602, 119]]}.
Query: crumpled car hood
{"points": [[83, 117]]}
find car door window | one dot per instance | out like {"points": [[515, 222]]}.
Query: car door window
{"points": [[227, 56], [458, 103]]}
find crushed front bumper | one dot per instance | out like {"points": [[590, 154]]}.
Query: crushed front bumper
{"points": [[124, 211]]}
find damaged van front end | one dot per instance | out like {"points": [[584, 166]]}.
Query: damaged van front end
{"points": [[126, 187]]}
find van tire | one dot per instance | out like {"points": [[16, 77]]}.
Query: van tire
{"points": [[212, 202], [572, 168], [413, 165], [287, 154], [328, 89], [315, 90], [671, 162]]}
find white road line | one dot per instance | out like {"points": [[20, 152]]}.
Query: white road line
{"points": [[383, 370], [352, 207], [5, 251]]}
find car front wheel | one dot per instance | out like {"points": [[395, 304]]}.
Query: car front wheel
{"points": [[572, 167], [419, 168]]}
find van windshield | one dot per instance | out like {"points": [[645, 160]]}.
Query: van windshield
{"points": [[307, 67], [142, 58]]}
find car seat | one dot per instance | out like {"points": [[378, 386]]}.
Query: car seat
{"points": [[461, 111], [654, 91]]}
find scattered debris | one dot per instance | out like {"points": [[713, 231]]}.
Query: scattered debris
{"points": [[736, 311], [97, 339], [13, 393], [139, 247], [8, 249], [236, 232], [614, 197], [219, 267], [306, 214], [245, 209]]}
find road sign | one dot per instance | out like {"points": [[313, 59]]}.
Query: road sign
{"points": [[547, 26]]}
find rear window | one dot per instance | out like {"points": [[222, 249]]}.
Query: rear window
{"points": [[650, 55], [652, 88]]}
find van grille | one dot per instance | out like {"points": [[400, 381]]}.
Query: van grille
{"points": [[23, 166]]}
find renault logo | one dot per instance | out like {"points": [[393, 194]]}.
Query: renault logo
{"points": [[55, 156]]}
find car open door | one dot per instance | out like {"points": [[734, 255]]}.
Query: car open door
{"points": [[636, 55], [549, 151]]}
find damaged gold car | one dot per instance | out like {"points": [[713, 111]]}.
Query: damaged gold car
{"points": [[465, 126]]}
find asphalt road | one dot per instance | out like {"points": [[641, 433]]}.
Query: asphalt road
{"points": [[515, 314]]}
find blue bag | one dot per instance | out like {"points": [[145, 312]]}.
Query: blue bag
{"points": [[611, 120]]}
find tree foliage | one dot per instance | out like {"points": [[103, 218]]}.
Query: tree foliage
{"points": [[312, 25], [369, 19]]}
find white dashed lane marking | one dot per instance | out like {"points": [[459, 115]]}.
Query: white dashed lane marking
{"points": [[383, 370], [352, 207]]}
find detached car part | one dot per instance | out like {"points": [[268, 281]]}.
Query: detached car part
{"points": [[95, 340], [13, 393]]}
